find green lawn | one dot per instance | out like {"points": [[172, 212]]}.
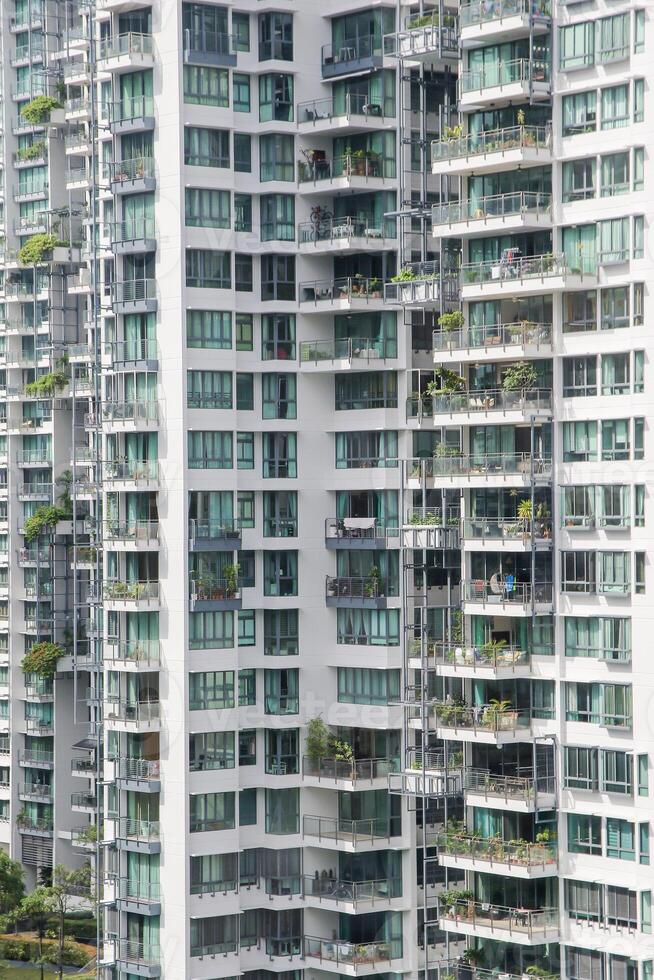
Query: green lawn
{"points": [[11, 971]]}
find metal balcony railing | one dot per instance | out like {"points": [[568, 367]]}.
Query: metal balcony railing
{"points": [[350, 771], [124, 44], [130, 469], [519, 854], [348, 831], [130, 828], [131, 411], [501, 590], [484, 655], [118, 590], [359, 587], [533, 924], [454, 463], [521, 788], [475, 12], [131, 109], [137, 890], [140, 770], [505, 529], [352, 104], [340, 229], [134, 290], [493, 335], [520, 267], [345, 953], [500, 141], [493, 206], [480, 400], [520, 70], [336, 290], [346, 349], [131, 530], [495, 719], [117, 709], [335, 890]]}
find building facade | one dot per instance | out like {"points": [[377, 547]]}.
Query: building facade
{"points": [[318, 510]]}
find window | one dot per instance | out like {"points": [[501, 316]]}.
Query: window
{"points": [[615, 439], [208, 269], [579, 376], [208, 329], [278, 395], [282, 811], [245, 392], [646, 915], [583, 900], [276, 157], [275, 37], [247, 807], [361, 685], [581, 770], [617, 772], [211, 811], [211, 690], [207, 208], [241, 31], [244, 331], [247, 747], [639, 304], [577, 45], [368, 627], [639, 168], [615, 174], [643, 843], [613, 37], [214, 873], [620, 839], [279, 513], [241, 92], [277, 217], [615, 374], [243, 273], [643, 775], [247, 688], [278, 337], [639, 237], [639, 371], [580, 311], [211, 630], [280, 577], [208, 389], [355, 450], [242, 212], [247, 565], [613, 236], [282, 694], [584, 964], [615, 107], [579, 113], [578, 180], [242, 153], [584, 834], [210, 451], [245, 508], [639, 438], [276, 98], [639, 100], [278, 278], [246, 628], [639, 560], [279, 455], [615, 307], [211, 750], [245, 450], [214, 935], [206, 86], [281, 632], [206, 147], [639, 31]]}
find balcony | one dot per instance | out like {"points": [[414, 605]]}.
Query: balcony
{"points": [[515, 859], [210, 593], [214, 535], [39, 792], [422, 284], [132, 176], [490, 724], [499, 340], [142, 959], [136, 716], [138, 835], [36, 758], [358, 534], [352, 171], [133, 237], [483, 920], [487, 661], [131, 115], [134, 296], [34, 826], [77, 110], [83, 802], [352, 774], [480, 21], [345, 234], [85, 767], [353, 836], [521, 794], [202, 47], [125, 52], [515, 275], [505, 82], [130, 415], [513, 405], [352, 56], [135, 474], [352, 114], [512, 534], [358, 592], [333, 295], [496, 214], [350, 959], [131, 595], [128, 354], [344, 354], [493, 151], [423, 38], [494, 469], [140, 775], [322, 891], [133, 895], [133, 535], [515, 598]]}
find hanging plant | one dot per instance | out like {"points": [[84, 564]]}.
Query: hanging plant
{"points": [[42, 659], [38, 110]]}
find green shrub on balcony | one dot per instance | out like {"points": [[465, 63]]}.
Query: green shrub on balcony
{"points": [[32, 152], [451, 321], [36, 248], [38, 110], [42, 659], [44, 519], [47, 385]]}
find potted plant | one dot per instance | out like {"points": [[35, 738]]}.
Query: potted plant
{"points": [[230, 575], [372, 583], [449, 322]]}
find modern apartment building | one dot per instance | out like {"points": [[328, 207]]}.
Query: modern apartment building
{"points": [[323, 482]]}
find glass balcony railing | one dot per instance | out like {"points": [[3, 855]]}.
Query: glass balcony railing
{"points": [[505, 529], [491, 655], [132, 411], [490, 718], [141, 770], [137, 890], [334, 890], [490, 335], [454, 463], [120, 709], [475, 12], [349, 771], [349, 831], [534, 925], [130, 469], [122, 45], [521, 854], [343, 229], [509, 205], [134, 291], [132, 530], [346, 349], [360, 587], [356, 164], [515, 788], [351, 54], [519, 71], [504, 590], [119, 590], [337, 290], [347, 954], [351, 104], [480, 400], [132, 109], [500, 141], [137, 168], [131, 828]]}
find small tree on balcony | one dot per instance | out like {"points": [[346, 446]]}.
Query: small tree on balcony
{"points": [[36, 248], [42, 659], [43, 520], [38, 110], [316, 743]]}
